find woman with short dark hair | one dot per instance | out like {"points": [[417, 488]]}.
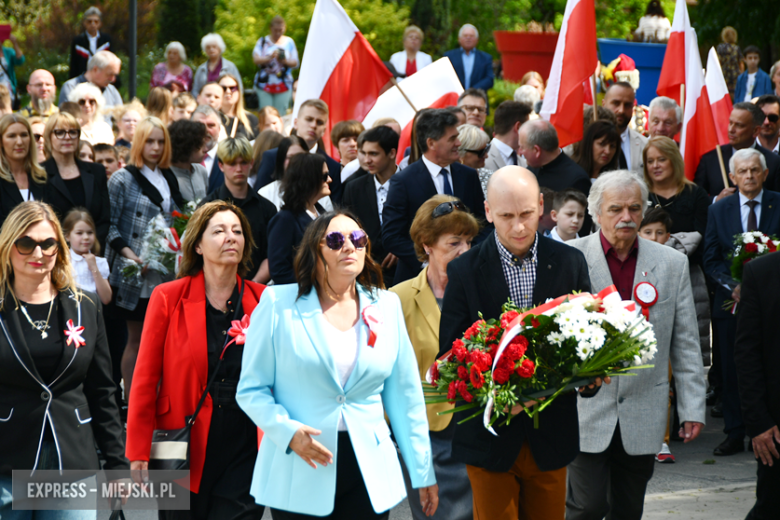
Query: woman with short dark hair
{"points": [[189, 142]]}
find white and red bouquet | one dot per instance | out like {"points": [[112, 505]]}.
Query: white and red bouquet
{"points": [[748, 246], [540, 354]]}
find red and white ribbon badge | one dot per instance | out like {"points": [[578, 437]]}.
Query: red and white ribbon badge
{"points": [[646, 295], [74, 335], [371, 318]]}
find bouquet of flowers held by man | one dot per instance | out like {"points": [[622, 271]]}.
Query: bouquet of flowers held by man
{"points": [[538, 354], [161, 249], [748, 246]]}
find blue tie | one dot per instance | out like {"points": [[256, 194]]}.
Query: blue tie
{"points": [[447, 187]]}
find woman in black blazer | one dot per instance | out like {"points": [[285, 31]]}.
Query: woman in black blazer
{"points": [[74, 183], [21, 178], [304, 183], [56, 397]]}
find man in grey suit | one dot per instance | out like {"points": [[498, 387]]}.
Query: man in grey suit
{"points": [[620, 98], [507, 120], [622, 427]]}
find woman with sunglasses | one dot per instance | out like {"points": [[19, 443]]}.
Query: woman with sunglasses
{"points": [[37, 125], [305, 182], [21, 177], [233, 110], [74, 183], [326, 359], [55, 367], [94, 128], [474, 148], [442, 230]]}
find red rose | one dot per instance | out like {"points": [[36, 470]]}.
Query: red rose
{"points": [[492, 352], [464, 391], [435, 372], [506, 363], [472, 331], [459, 350], [526, 369], [534, 322], [480, 359], [492, 334], [477, 379], [771, 246], [751, 248], [463, 373], [501, 375], [507, 318], [452, 391]]}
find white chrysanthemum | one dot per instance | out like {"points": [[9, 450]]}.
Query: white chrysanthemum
{"points": [[556, 338], [761, 248], [583, 351], [764, 239], [748, 238]]}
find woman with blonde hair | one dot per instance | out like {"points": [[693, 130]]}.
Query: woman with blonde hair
{"points": [[535, 80], [160, 104], [410, 60], [474, 148], [58, 395], [127, 117], [37, 124], [732, 62], [22, 178], [269, 119], [139, 192], [237, 121], [91, 102]]}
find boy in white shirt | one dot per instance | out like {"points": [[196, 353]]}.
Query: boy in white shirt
{"points": [[568, 213]]}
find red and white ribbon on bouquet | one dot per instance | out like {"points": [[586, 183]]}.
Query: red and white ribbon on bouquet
{"points": [[173, 242]]}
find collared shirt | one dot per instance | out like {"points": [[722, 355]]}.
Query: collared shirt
{"points": [[504, 149], [622, 272], [468, 65], [208, 161], [625, 145], [93, 42], [381, 195], [84, 277], [520, 273], [438, 180], [776, 149], [744, 209], [159, 182]]}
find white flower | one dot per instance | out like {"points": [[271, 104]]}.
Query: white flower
{"points": [[761, 248], [748, 238], [764, 239]]}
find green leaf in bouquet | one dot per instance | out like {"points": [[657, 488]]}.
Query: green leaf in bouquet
{"points": [[457, 409]]}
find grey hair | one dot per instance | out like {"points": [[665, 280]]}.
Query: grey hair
{"points": [[757, 113], [744, 155], [102, 59], [178, 47], [773, 70], [665, 103], [471, 138], [88, 89], [617, 179], [541, 133], [206, 110], [528, 95], [468, 26], [92, 11], [213, 39]]}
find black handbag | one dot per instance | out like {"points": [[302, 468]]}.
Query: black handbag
{"points": [[171, 448]]}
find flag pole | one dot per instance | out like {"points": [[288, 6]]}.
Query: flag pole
{"points": [[593, 90], [722, 167], [396, 85], [682, 98]]}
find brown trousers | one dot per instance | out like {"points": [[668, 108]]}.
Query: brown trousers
{"points": [[522, 493]]}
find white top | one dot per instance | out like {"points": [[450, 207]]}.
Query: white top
{"points": [[744, 210], [208, 161], [625, 145], [398, 60], [349, 169], [555, 236], [344, 347], [438, 180], [26, 195], [100, 133], [93, 42], [273, 192], [159, 182], [84, 277], [751, 84]]}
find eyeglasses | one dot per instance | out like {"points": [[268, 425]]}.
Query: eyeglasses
{"points": [[61, 133], [27, 245], [773, 118], [445, 208], [481, 153], [37, 137], [335, 239], [83, 102], [234, 88], [472, 108]]}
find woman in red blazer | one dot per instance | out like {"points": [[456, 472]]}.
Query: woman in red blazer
{"points": [[184, 333]]}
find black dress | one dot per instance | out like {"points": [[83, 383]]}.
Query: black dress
{"points": [[688, 211]]}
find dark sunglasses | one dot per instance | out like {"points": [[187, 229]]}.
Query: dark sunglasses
{"points": [[60, 133], [445, 208], [481, 153], [773, 118], [27, 245], [325, 177], [234, 88], [83, 102], [335, 239]]}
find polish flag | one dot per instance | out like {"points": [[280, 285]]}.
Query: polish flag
{"points": [[339, 67], [673, 68], [720, 101], [698, 133], [574, 61]]}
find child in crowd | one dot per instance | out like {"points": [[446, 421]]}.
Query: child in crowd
{"points": [[754, 82], [183, 106], [107, 155], [656, 225], [91, 270], [568, 213], [545, 221]]}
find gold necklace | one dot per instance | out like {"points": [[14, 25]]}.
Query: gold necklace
{"points": [[43, 332]]}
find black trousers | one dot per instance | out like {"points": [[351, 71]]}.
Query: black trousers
{"points": [[726, 331], [767, 496], [352, 500], [611, 483]]}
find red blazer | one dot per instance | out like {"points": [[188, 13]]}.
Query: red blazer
{"points": [[173, 355]]}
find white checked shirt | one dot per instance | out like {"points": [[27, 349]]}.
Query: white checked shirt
{"points": [[520, 273]]}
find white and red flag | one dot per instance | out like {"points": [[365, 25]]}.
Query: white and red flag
{"points": [[673, 68], [340, 67], [573, 64], [720, 101]]}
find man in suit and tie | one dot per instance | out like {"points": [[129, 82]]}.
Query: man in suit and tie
{"points": [[620, 98], [507, 120], [473, 67], [521, 472], [367, 194], [753, 208], [744, 126], [757, 356], [622, 428], [437, 171], [208, 116]]}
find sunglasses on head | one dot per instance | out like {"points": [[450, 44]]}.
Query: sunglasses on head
{"points": [[27, 245], [481, 153], [233, 88], [445, 208], [335, 239], [773, 118], [61, 133], [83, 102]]}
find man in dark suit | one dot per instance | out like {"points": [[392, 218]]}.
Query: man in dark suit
{"points": [[88, 43], [367, 194], [208, 116], [436, 172], [757, 356], [473, 67], [522, 467], [744, 126], [751, 209], [310, 124]]}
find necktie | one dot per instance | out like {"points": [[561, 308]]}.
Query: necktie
{"points": [[513, 158], [447, 187], [752, 224]]}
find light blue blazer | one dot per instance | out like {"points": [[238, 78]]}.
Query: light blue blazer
{"points": [[289, 378]]}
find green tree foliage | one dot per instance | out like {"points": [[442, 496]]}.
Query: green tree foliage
{"points": [[22, 12], [180, 21], [242, 22]]}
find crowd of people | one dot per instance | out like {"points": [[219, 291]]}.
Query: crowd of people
{"points": [[277, 332]]}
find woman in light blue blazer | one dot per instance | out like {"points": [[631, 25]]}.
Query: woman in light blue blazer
{"points": [[324, 360]]}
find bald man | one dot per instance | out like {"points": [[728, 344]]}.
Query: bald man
{"points": [[42, 90], [521, 473]]}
